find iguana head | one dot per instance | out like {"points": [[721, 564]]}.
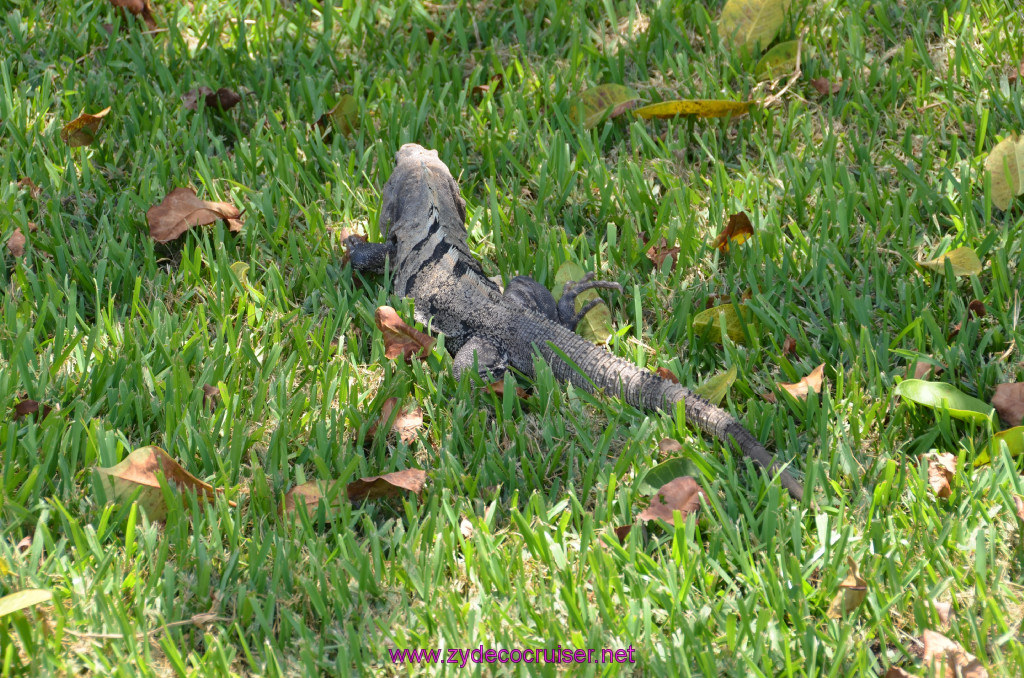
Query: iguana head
{"points": [[420, 190]]}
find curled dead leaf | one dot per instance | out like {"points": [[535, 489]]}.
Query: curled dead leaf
{"points": [[82, 130], [407, 421], [16, 243], [139, 8], [977, 308], [498, 389], [680, 494], [138, 473], [944, 658], [211, 397], [399, 338], [825, 87], [622, 532], [668, 375], [789, 346], [182, 209], [466, 528], [924, 369], [809, 384], [389, 485], [223, 99], [853, 591], [1008, 400], [1018, 503], [28, 406], [660, 251], [736, 232], [668, 447], [27, 184], [941, 469]]}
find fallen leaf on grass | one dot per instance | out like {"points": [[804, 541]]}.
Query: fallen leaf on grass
{"points": [[16, 243], [789, 346], [1005, 169], [715, 388], [897, 672], [29, 406], [596, 325], [701, 108], [941, 609], [1018, 503], [809, 384], [622, 532], [307, 495], [406, 423], [466, 528], [708, 323], [923, 368], [223, 99], [19, 600], [82, 130], [941, 469], [344, 117], [944, 658], [667, 374], [399, 338], [747, 24], [941, 396], [977, 308], [139, 8], [1008, 400], [825, 87], [963, 260], [1013, 438], [660, 251], [138, 472], [1014, 76], [736, 231], [390, 485], [498, 389], [211, 397], [594, 102], [28, 185], [853, 591], [778, 61], [182, 209], [668, 447], [681, 494]]}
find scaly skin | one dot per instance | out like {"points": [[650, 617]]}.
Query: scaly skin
{"points": [[423, 222]]}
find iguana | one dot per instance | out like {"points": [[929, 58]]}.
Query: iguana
{"points": [[423, 222]]}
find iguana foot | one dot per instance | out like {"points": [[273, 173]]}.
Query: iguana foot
{"points": [[567, 314], [367, 256], [482, 357]]}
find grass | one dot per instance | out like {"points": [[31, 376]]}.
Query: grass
{"points": [[845, 192]]}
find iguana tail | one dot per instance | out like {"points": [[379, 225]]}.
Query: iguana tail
{"points": [[597, 368]]}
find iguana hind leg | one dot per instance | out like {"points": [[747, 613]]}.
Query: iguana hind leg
{"points": [[483, 357]]}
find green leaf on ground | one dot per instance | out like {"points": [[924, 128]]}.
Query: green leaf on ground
{"points": [[20, 600], [593, 103], [596, 325], [715, 388], [942, 396], [708, 323], [747, 24], [964, 261], [778, 61]]}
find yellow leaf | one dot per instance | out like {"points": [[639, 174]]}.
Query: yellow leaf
{"points": [[594, 102], [964, 260], [854, 589], [702, 108], [709, 323], [745, 24], [82, 130], [19, 600], [1013, 438], [715, 388], [1005, 167], [779, 60]]}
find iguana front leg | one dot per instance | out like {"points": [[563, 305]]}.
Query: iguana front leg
{"points": [[369, 257]]}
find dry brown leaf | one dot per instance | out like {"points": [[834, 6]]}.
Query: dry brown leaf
{"points": [[897, 672], [498, 389], [1018, 503], [659, 252], [223, 99], [16, 243], [390, 485], [853, 591], [406, 423], [810, 383], [82, 130], [139, 8], [944, 658], [789, 346], [1008, 400], [825, 87], [29, 406], [211, 397], [736, 231], [24, 544], [942, 609], [923, 369], [679, 494], [307, 494], [466, 528], [27, 184], [138, 472], [622, 532], [668, 375], [1013, 77], [977, 308], [399, 338], [941, 469], [668, 447], [182, 209]]}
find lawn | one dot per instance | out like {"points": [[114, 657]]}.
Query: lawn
{"points": [[853, 165]]}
